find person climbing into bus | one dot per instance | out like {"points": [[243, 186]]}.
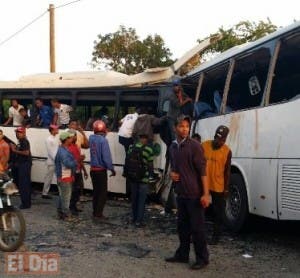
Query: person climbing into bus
{"points": [[126, 128], [61, 113], [14, 113], [45, 113], [218, 157], [179, 104]]}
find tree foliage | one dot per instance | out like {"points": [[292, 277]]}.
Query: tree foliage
{"points": [[244, 31], [124, 52]]}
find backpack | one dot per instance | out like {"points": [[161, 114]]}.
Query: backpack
{"points": [[135, 168]]}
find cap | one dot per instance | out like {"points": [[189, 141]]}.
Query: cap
{"points": [[54, 126], [71, 130], [20, 129], [222, 132], [181, 118], [65, 135]]}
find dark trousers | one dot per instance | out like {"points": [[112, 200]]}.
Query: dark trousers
{"points": [[190, 222], [23, 178], [126, 142], [139, 193], [76, 187], [99, 180], [218, 207]]}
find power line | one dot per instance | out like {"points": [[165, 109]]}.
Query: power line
{"points": [[23, 28], [66, 4], [33, 21]]}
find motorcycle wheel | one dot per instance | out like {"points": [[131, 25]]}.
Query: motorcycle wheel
{"points": [[13, 236]]}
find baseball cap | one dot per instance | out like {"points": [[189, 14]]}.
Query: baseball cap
{"points": [[71, 130], [222, 132], [65, 135], [181, 118], [20, 129]]}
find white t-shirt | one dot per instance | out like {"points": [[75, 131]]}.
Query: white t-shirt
{"points": [[15, 115], [52, 144], [127, 125], [63, 114]]}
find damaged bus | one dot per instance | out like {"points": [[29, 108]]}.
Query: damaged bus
{"points": [[254, 89]]}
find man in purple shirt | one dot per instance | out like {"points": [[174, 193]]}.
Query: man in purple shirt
{"points": [[188, 173]]}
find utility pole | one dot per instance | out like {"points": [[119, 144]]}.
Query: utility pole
{"points": [[52, 38]]}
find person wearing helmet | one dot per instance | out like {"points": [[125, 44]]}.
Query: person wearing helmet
{"points": [[101, 161]]}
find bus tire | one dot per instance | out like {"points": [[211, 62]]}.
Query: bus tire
{"points": [[236, 210]]}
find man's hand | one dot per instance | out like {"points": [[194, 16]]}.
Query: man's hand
{"points": [[175, 176], [205, 200], [113, 173], [13, 147]]}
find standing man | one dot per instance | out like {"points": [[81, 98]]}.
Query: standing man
{"points": [[45, 113], [4, 153], [137, 170], [78, 179], [65, 167], [23, 164], [101, 161], [218, 156], [13, 114], [52, 144], [61, 113], [188, 173]]}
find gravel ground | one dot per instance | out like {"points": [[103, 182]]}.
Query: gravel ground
{"points": [[117, 249]]}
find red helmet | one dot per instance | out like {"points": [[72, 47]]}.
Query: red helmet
{"points": [[99, 126]]}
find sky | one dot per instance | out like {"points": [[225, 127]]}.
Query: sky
{"points": [[179, 23]]}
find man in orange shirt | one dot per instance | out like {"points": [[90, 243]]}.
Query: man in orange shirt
{"points": [[218, 157], [4, 153]]}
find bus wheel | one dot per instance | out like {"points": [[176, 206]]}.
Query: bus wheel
{"points": [[236, 211]]}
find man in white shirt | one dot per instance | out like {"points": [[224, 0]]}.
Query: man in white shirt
{"points": [[61, 113], [125, 131], [13, 114], [52, 143]]}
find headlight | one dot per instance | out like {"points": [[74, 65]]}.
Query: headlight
{"points": [[9, 188]]}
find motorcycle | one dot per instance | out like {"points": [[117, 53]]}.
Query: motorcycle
{"points": [[12, 222]]}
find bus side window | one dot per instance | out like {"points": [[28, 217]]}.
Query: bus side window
{"points": [[286, 81], [249, 76]]}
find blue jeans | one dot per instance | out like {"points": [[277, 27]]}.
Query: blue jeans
{"points": [[65, 192], [139, 193]]}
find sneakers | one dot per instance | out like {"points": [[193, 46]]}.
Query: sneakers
{"points": [[176, 259], [139, 224]]}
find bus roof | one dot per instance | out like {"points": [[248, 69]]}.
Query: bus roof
{"points": [[95, 79], [242, 48]]}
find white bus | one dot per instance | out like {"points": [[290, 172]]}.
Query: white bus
{"points": [[87, 93], [254, 89]]}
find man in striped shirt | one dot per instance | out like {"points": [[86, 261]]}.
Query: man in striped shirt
{"points": [[139, 185]]}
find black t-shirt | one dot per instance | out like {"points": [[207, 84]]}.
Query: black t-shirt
{"points": [[23, 145]]}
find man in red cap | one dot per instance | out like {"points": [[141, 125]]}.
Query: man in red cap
{"points": [[218, 157], [52, 144], [23, 164]]}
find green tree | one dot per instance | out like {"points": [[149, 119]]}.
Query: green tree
{"points": [[124, 52], [244, 31]]}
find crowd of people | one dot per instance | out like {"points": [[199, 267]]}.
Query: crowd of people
{"points": [[199, 170]]}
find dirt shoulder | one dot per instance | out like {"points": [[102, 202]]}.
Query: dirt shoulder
{"points": [[115, 248]]}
